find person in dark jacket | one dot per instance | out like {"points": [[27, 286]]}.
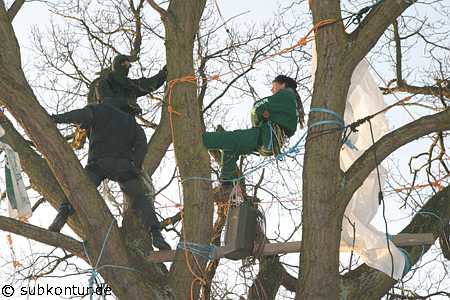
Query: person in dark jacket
{"points": [[124, 91], [283, 110], [117, 146]]}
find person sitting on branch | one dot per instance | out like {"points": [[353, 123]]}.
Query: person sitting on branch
{"points": [[117, 144], [273, 118]]}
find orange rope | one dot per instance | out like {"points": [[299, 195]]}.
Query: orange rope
{"points": [[437, 184], [15, 262]]}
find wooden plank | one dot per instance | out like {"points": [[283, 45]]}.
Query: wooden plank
{"points": [[413, 239], [401, 240]]}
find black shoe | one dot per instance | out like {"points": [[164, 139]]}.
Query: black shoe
{"points": [[158, 240], [64, 212]]}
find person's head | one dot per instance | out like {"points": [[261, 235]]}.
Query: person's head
{"points": [[281, 82], [121, 65]]}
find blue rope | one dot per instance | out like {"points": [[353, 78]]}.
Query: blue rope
{"points": [[338, 121], [205, 251], [431, 214], [271, 133], [94, 269], [408, 261]]}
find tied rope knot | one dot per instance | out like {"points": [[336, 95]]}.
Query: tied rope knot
{"points": [[215, 77], [354, 126], [303, 41]]}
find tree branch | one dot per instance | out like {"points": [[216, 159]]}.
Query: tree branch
{"points": [[362, 167], [42, 235], [158, 144], [367, 283], [14, 9], [403, 87], [159, 9], [374, 25]]}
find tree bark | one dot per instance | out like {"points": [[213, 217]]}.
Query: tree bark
{"points": [[182, 24], [319, 260], [42, 235]]}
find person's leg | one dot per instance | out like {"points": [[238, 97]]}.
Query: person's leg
{"points": [[65, 210], [233, 143], [141, 205]]}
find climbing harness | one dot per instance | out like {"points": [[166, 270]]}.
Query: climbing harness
{"points": [[277, 139]]}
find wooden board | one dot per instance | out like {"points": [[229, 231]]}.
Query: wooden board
{"points": [[401, 240]]}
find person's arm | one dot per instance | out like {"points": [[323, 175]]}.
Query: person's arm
{"points": [[261, 110], [84, 117], [143, 86], [282, 102], [139, 147]]}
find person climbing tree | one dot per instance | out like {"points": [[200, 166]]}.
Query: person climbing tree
{"points": [[116, 85], [273, 118], [117, 144]]}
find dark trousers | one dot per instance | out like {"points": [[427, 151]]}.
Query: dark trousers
{"points": [[126, 174]]}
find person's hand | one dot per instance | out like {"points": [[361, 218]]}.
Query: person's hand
{"points": [[55, 118], [135, 110], [164, 72]]}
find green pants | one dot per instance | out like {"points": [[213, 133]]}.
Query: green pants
{"points": [[235, 143]]}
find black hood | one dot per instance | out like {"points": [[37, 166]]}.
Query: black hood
{"points": [[119, 70]]}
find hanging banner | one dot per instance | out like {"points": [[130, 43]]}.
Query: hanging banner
{"points": [[19, 206], [373, 246]]}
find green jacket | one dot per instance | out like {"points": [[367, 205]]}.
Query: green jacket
{"points": [[282, 108]]}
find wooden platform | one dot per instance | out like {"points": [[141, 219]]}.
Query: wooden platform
{"points": [[400, 240]]}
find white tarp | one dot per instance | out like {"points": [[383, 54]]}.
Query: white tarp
{"points": [[364, 98], [19, 206]]}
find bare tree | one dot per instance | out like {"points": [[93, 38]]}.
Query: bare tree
{"points": [[189, 105]]}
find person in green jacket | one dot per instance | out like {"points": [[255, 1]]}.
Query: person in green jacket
{"points": [[273, 118]]}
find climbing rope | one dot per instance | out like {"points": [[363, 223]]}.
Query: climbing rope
{"points": [[94, 271]]}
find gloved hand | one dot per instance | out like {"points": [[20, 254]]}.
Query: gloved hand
{"points": [[163, 72], [56, 118], [135, 109]]}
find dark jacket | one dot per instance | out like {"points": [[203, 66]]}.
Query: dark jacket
{"points": [[112, 133], [282, 110], [122, 92]]}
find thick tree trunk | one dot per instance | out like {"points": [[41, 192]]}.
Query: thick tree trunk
{"points": [[182, 23], [319, 273]]}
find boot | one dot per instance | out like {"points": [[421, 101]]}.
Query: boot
{"points": [[64, 212], [158, 240]]}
